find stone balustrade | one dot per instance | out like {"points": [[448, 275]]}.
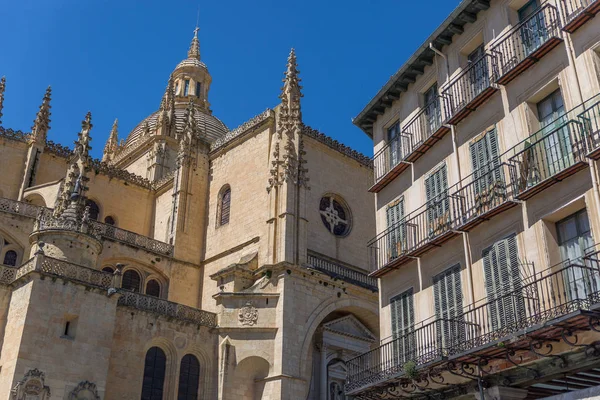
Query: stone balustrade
{"points": [[111, 232], [167, 308], [20, 208]]}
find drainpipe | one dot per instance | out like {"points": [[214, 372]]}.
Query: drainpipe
{"points": [[591, 163], [439, 53]]}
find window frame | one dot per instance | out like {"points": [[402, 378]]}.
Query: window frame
{"points": [[226, 189]]}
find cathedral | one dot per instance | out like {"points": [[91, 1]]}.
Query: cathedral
{"points": [[191, 262]]}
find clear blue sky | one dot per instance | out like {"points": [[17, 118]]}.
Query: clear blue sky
{"points": [[114, 57]]}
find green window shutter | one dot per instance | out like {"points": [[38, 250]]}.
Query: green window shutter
{"points": [[438, 206], [403, 320], [448, 298], [503, 283], [394, 216]]}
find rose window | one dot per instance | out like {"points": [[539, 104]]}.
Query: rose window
{"points": [[335, 215]]}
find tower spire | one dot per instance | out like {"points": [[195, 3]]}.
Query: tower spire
{"points": [[2, 88], [194, 51], [112, 143], [41, 123]]}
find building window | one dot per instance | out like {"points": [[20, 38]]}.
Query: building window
{"points": [[109, 220], [403, 321], [186, 87], [557, 137], [396, 238], [447, 291], [503, 283], [335, 215], [189, 378], [154, 374], [108, 269], [433, 111], [224, 208], [393, 139], [10, 258], [131, 281], [153, 288], [198, 88], [485, 162], [94, 209], [438, 207]]}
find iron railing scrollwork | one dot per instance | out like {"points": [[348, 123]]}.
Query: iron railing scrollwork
{"points": [[526, 38], [526, 304]]}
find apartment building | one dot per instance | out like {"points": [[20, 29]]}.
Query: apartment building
{"points": [[486, 144]]}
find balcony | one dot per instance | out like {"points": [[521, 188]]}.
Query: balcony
{"points": [[427, 227], [470, 89], [526, 43], [544, 307], [389, 162], [590, 119], [415, 138], [547, 157], [578, 12], [340, 271], [484, 194], [21, 208], [424, 130]]}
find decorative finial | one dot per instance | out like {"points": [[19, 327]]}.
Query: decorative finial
{"points": [[82, 144], [112, 143], [2, 88], [41, 123], [194, 51]]}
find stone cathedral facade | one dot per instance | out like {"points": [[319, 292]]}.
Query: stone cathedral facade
{"points": [[191, 262]]}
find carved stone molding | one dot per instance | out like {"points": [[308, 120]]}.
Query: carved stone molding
{"points": [[85, 391], [31, 387], [248, 315]]}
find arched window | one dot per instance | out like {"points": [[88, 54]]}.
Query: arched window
{"points": [[224, 205], [154, 374], [189, 378], [10, 258], [109, 220], [94, 209], [108, 269], [153, 288], [131, 280]]}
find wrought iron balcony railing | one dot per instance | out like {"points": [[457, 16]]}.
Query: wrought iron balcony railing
{"points": [[552, 154], [578, 12], [389, 161], [484, 194], [340, 271], [527, 42], [527, 307], [167, 308], [428, 226], [590, 119], [426, 128], [470, 89], [420, 344]]}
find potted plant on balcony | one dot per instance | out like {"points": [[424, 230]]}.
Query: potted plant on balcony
{"points": [[410, 369]]}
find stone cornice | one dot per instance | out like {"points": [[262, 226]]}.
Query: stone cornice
{"points": [[337, 146], [11, 134]]}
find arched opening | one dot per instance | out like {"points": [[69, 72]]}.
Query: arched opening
{"points": [[131, 280], [154, 374], [189, 378], [110, 220], [224, 206], [36, 200], [249, 379], [153, 288], [94, 209], [108, 269], [10, 258]]}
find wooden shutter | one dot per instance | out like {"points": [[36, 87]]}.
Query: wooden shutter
{"points": [[485, 160], [403, 320], [438, 207], [394, 216], [503, 283], [447, 289]]}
